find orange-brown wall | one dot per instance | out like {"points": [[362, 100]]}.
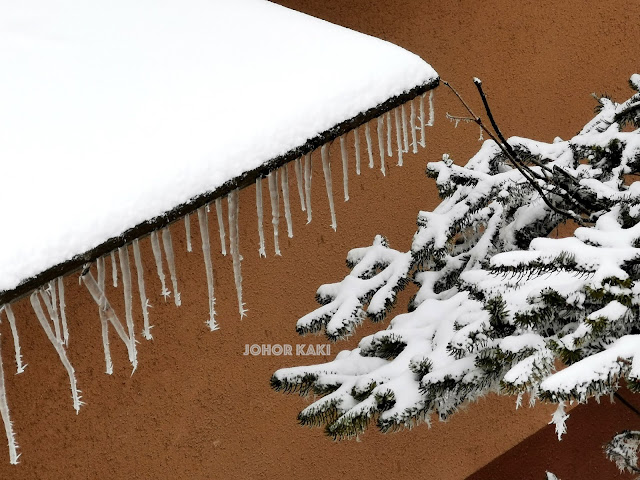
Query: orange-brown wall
{"points": [[196, 407]]}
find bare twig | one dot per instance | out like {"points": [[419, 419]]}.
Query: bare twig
{"points": [[478, 84], [627, 404], [506, 149]]}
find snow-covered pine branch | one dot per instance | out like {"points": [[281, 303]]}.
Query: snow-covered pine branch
{"points": [[499, 303]]}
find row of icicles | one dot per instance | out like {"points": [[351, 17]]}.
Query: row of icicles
{"points": [[53, 319]]}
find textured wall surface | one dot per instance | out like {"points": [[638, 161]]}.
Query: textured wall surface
{"points": [[197, 408]]}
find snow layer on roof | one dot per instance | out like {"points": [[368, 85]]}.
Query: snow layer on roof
{"points": [[114, 112]]}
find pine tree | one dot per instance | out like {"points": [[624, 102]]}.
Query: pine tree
{"points": [[500, 304]]}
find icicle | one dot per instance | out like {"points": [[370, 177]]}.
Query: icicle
{"points": [[422, 135], [234, 245], [519, 400], [206, 251], [345, 167], [396, 115], [326, 167], [559, 419], [63, 314], [75, 393], [261, 250], [101, 299], [412, 126], [307, 184], [125, 268], [432, 113], [389, 143], [367, 134], [144, 302], [381, 143], [221, 226], [114, 269], [168, 251], [356, 135], [8, 425], [284, 176], [298, 169], [157, 254], [51, 302], [275, 208], [405, 134], [187, 230], [533, 395], [16, 342], [103, 318]]}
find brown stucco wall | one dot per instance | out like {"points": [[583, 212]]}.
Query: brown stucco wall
{"points": [[196, 407], [579, 455]]}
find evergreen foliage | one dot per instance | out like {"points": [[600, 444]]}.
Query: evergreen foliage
{"points": [[501, 305]]}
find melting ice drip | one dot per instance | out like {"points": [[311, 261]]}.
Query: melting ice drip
{"points": [[52, 317]]}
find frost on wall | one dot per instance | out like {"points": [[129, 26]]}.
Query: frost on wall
{"points": [[499, 302], [53, 319]]}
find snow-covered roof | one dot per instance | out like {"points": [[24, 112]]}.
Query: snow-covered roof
{"points": [[114, 113]]}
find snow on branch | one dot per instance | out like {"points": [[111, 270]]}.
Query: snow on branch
{"points": [[499, 302], [378, 273]]}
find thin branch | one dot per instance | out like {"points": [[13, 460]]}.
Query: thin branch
{"points": [[478, 84], [506, 149], [627, 404], [527, 175]]}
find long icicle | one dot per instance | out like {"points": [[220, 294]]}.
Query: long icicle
{"points": [[171, 262], [432, 112], [326, 167], [380, 131], [261, 250], [221, 226], [157, 255], [275, 208], [396, 115], [367, 135], [234, 245], [8, 425], [51, 303], [187, 231], [307, 184], [356, 140], [114, 269], [125, 268], [103, 318], [203, 223], [75, 393], [63, 313], [345, 167], [284, 176], [144, 301], [100, 298], [16, 342], [405, 133], [422, 135], [412, 126], [389, 142], [298, 169], [278, 190]]}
